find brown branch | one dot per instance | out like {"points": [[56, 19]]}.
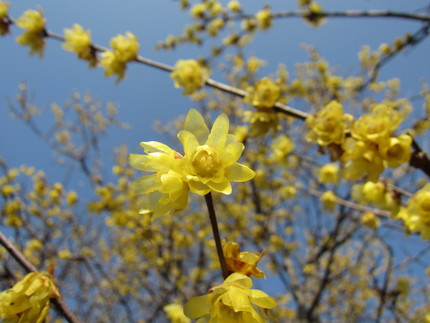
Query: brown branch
{"points": [[419, 159], [59, 304]]}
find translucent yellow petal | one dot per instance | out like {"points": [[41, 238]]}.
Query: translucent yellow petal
{"points": [[147, 184], [198, 188], [232, 153], [189, 142], [198, 306], [218, 135], [155, 146], [261, 299], [222, 187], [195, 124], [170, 182], [239, 173], [141, 162], [238, 299], [240, 280]]}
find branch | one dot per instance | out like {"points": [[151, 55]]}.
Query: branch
{"points": [[59, 304]]}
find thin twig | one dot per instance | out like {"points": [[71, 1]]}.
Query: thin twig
{"points": [[59, 304], [217, 238]]}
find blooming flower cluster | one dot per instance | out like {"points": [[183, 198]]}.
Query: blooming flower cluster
{"points": [[416, 215], [264, 94], [28, 300], [233, 301], [377, 194], [209, 164], [242, 262], [189, 75], [125, 49], [78, 40], [366, 145], [33, 23]]}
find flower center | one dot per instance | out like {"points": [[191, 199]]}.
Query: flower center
{"points": [[205, 161]]}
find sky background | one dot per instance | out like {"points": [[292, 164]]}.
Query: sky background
{"points": [[148, 94]]}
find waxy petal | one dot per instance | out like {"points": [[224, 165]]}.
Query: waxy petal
{"points": [[155, 146], [222, 187], [218, 136], [198, 306], [239, 173], [189, 142], [232, 153], [195, 124], [147, 184], [261, 299]]}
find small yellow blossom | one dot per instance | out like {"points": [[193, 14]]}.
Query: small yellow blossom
{"points": [[175, 313], [198, 10], [125, 47], [264, 18], [370, 220], [281, 146], [314, 15], [78, 40], [378, 125], [328, 200], [31, 21], [396, 150], [189, 75], [330, 125], [4, 9], [416, 215], [329, 174], [242, 262], [261, 122], [234, 6], [28, 300], [233, 301], [210, 161], [264, 94], [112, 65]]}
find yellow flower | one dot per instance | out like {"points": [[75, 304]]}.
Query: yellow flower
{"points": [[396, 150], [281, 146], [4, 23], [378, 125], [330, 125], [125, 48], [189, 75], [78, 40], [314, 16], [416, 215], [175, 313], [264, 18], [242, 262], [31, 21], [34, 24], [233, 301], [363, 160], [328, 200], [112, 65], [329, 174], [165, 191], [234, 6], [261, 122], [4, 8], [210, 160], [370, 220], [264, 94], [28, 300]]}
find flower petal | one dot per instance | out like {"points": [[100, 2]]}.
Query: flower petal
{"points": [[189, 142], [239, 173], [147, 184], [261, 299], [232, 153], [195, 124], [222, 187], [218, 136], [198, 187], [197, 306], [155, 146]]}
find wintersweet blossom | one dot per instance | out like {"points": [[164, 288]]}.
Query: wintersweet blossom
{"points": [[164, 191], [28, 300], [175, 313], [329, 126], [231, 302], [416, 215], [208, 164], [264, 18], [329, 174], [4, 23], [264, 94], [78, 40], [396, 150], [34, 24], [124, 49], [4, 9], [210, 160], [189, 75], [242, 262]]}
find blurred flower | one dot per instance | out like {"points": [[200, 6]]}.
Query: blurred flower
{"points": [[28, 300], [210, 160], [175, 313], [328, 200], [242, 262], [264, 18], [189, 75], [78, 40], [233, 301], [396, 150], [4, 24], [34, 24], [264, 94], [330, 125], [370, 220], [329, 174]]}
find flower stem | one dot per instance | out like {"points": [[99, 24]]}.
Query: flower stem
{"points": [[214, 224]]}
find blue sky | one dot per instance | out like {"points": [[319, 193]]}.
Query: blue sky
{"points": [[148, 94]]}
